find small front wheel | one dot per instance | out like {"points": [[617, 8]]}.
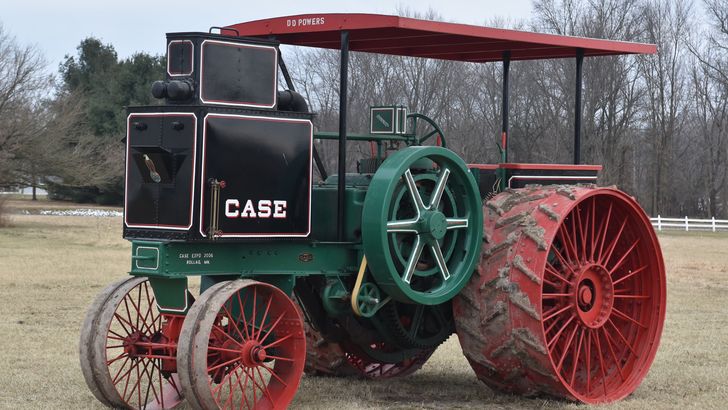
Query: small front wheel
{"points": [[123, 347], [242, 345]]}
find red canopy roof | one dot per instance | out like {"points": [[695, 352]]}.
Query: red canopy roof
{"points": [[376, 33]]}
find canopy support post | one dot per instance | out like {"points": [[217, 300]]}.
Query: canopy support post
{"points": [[577, 106], [343, 83], [504, 109]]}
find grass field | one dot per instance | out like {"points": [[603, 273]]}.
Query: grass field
{"points": [[51, 267]]}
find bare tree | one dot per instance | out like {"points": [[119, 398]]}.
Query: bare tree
{"points": [[22, 85], [667, 24]]}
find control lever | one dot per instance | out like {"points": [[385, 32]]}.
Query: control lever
{"points": [[152, 169]]}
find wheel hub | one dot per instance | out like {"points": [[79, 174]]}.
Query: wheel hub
{"points": [[252, 354], [594, 295], [435, 223], [132, 346]]}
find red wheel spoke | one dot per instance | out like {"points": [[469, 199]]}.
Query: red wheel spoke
{"points": [[576, 358], [115, 337], [568, 242], [265, 390], [621, 336], [588, 361], [222, 349], [556, 295], [114, 346], [220, 385], [120, 356], [252, 318], [224, 333], [278, 341], [241, 304], [552, 270], [629, 275], [605, 260], [604, 232], [138, 308], [230, 389], [574, 233], [551, 327], [601, 362], [560, 311], [619, 296], [285, 359], [566, 349], [223, 364], [624, 316], [254, 386], [141, 325], [563, 260], [265, 315], [242, 389], [128, 379], [150, 385], [232, 322], [161, 385], [582, 232], [128, 315], [272, 327], [593, 242], [273, 373], [121, 321], [614, 355], [138, 385], [123, 364], [552, 343], [624, 257], [150, 308]]}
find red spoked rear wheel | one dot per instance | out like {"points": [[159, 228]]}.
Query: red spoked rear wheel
{"points": [[242, 346], [569, 298]]}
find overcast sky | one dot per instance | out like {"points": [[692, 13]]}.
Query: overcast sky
{"points": [[58, 26]]}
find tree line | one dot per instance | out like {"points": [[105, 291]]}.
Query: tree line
{"points": [[64, 132], [658, 123]]}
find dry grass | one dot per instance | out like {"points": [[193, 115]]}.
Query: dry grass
{"points": [[52, 267], [4, 220]]}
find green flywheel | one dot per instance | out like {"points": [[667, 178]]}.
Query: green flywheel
{"points": [[422, 225]]}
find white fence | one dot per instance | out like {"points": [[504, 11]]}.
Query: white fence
{"points": [[689, 224]]}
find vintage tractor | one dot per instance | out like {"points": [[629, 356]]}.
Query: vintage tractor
{"points": [[553, 285]]}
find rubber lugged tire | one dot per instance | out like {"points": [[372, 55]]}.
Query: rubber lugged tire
{"points": [[499, 315]]}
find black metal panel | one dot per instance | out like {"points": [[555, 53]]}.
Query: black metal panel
{"points": [[160, 170], [238, 74], [180, 57], [266, 165]]}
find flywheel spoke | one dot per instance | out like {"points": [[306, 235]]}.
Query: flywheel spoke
{"points": [[440, 260], [457, 223], [407, 225], [409, 270], [439, 188], [413, 191]]}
